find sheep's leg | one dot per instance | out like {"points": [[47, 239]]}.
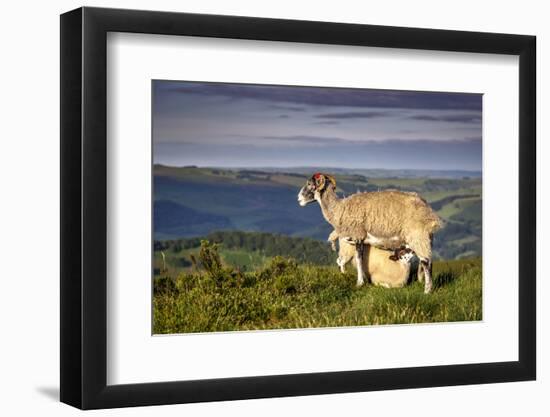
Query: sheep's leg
{"points": [[332, 238], [359, 253], [428, 285], [427, 268], [421, 244]]}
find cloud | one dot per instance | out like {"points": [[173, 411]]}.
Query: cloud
{"points": [[476, 140], [286, 108], [309, 140], [323, 96], [327, 122], [458, 118], [355, 115], [330, 141]]}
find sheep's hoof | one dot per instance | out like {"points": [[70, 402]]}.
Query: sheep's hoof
{"points": [[359, 284], [428, 289]]}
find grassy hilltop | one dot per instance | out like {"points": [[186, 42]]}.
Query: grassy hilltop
{"points": [[193, 202], [284, 294]]}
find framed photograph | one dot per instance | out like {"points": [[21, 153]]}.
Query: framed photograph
{"points": [[257, 208]]}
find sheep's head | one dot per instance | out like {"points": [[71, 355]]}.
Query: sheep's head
{"points": [[315, 187]]}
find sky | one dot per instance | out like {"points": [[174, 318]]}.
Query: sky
{"points": [[253, 126]]}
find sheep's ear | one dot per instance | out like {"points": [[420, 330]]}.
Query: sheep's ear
{"points": [[332, 180]]}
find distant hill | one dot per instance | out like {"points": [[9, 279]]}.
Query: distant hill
{"points": [[171, 219], [377, 173], [192, 201]]}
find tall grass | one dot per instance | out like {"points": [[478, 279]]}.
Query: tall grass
{"points": [[287, 295]]}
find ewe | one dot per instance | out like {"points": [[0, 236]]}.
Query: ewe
{"points": [[373, 217]]}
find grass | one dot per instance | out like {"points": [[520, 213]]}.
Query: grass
{"points": [[287, 295]]}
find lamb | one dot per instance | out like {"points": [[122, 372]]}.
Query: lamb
{"points": [[370, 217], [380, 267]]}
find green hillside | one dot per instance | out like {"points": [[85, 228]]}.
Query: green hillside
{"points": [[193, 202], [286, 294]]}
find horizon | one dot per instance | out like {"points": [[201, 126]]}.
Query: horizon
{"points": [[312, 166]]}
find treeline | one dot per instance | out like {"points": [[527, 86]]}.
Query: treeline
{"points": [[308, 250], [299, 248]]}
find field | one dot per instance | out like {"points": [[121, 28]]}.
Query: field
{"points": [[213, 295]]}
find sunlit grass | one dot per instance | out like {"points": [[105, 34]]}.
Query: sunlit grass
{"points": [[287, 295]]}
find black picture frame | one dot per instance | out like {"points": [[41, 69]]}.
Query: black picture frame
{"points": [[84, 207]]}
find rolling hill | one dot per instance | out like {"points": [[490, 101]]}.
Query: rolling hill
{"points": [[191, 202]]}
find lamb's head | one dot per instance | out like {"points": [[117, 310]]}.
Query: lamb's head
{"points": [[406, 255], [315, 187]]}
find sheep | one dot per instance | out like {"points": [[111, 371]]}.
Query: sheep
{"points": [[370, 217], [389, 269]]}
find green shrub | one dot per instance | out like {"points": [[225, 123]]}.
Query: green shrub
{"points": [[164, 286], [278, 266]]}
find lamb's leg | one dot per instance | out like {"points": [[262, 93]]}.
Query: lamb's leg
{"points": [[342, 264], [359, 253], [420, 273]]}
